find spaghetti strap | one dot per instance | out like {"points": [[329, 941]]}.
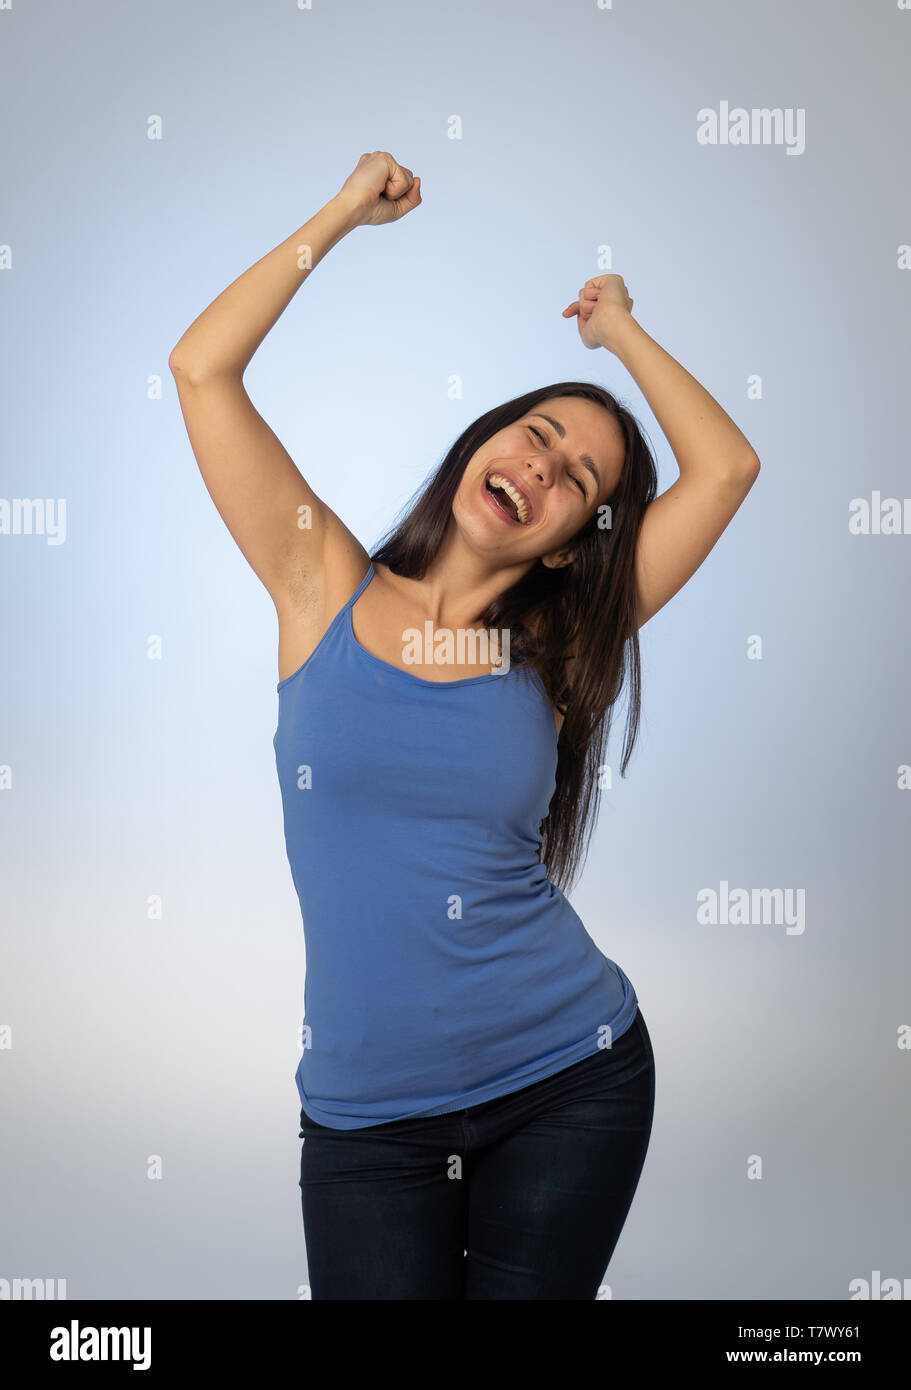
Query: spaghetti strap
{"points": [[358, 591], [333, 625]]}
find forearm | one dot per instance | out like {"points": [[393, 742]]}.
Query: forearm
{"points": [[225, 336], [704, 439]]}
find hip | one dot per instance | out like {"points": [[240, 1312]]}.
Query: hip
{"points": [[613, 1084]]}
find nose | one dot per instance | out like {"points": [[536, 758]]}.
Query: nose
{"points": [[543, 466]]}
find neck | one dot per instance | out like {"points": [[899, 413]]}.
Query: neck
{"points": [[460, 583]]}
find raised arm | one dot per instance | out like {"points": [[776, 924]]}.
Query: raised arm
{"points": [[287, 534], [717, 463]]}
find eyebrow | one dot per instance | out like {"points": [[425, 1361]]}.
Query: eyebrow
{"points": [[584, 459]]}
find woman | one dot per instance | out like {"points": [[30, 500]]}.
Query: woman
{"points": [[477, 1080]]}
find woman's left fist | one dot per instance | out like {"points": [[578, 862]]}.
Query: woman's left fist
{"points": [[601, 303]]}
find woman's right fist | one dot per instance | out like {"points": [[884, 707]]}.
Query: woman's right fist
{"points": [[379, 190]]}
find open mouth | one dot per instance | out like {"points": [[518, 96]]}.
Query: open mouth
{"points": [[508, 499]]}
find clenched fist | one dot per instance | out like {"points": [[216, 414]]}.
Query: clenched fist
{"points": [[380, 190], [601, 303]]}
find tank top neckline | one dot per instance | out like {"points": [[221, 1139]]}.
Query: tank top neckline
{"points": [[343, 616], [398, 670]]}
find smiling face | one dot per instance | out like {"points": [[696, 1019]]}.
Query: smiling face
{"points": [[535, 484]]}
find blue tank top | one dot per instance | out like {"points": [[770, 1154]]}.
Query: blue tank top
{"points": [[443, 968]]}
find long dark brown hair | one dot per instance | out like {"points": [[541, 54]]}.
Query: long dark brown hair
{"points": [[585, 609]]}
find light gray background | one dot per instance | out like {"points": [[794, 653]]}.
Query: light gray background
{"points": [[134, 777]]}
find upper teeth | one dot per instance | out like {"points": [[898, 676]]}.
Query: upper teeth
{"points": [[497, 480]]}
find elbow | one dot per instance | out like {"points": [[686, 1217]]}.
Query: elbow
{"points": [[745, 471], [194, 372], [175, 361], [183, 364], [184, 372]]}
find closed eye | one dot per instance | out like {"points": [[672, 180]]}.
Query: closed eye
{"points": [[578, 481]]}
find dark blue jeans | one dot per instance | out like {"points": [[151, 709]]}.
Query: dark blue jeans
{"points": [[520, 1197]]}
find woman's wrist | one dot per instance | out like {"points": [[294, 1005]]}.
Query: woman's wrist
{"points": [[348, 210], [620, 328]]}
